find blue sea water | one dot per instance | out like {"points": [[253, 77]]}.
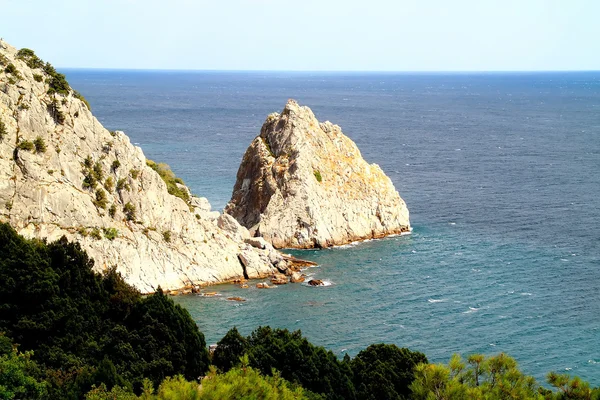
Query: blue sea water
{"points": [[501, 173]]}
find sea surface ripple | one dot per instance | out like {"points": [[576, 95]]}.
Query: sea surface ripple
{"points": [[500, 173]]}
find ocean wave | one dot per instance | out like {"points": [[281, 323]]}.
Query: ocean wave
{"points": [[471, 310], [436, 300]]}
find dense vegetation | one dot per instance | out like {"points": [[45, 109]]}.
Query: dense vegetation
{"points": [[496, 377], [85, 328], [67, 332], [168, 176]]}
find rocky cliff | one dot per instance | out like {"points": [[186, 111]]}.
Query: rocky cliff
{"points": [[62, 173], [304, 184]]}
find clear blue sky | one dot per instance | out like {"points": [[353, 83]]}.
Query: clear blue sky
{"points": [[373, 35]]}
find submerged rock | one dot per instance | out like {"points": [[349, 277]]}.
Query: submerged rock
{"points": [[304, 184], [279, 279], [315, 282]]}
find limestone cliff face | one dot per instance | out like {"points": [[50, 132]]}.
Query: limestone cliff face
{"points": [[304, 184], [62, 173]]}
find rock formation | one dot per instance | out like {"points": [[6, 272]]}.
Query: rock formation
{"points": [[62, 173], [304, 184]]}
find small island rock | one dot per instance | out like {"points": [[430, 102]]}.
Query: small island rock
{"points": [[304, 184]]}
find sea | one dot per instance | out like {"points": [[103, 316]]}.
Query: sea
{"points": [[500, 172]]}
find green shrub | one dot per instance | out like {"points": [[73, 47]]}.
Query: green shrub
{"points": [[38, 77], [134, 173], [3, 60], [95, 233], [88, 162], [19, 375], [111, 233], [167, 236], [11, 69], [3, 131], [89, 182], [101, 199], [109, 184], [122, 184], [40, 145], [57, 82], [98, 171], [116, 393], [115, 164], [318, 175], [167, 175], [83, 231], [112, 210], [239, 383], [129, 211], [30, 58], [26, 145], [56, 113], [78, 95], [268, 146]]}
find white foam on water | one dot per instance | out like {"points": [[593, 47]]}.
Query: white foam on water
{"points": [[525, 294], [436, 300], [471, 310]]}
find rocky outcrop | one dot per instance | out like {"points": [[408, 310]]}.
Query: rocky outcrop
{"points": [[63, 173], [304, 184]]}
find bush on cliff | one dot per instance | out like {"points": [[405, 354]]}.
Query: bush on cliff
{"points": [[86, 328], [168, 176]]}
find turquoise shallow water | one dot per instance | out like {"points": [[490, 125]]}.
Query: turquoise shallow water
{"points": [[500, 173]]}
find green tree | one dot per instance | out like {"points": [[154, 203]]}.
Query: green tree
{"points": [[19, 375], [86, 328], [572, 388], [496, 377], [229, 350], [299, 361], [247, 383], [384, 371]]}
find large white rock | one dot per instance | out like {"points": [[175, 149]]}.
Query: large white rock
{"points": [[304, 184], [42, 194]]}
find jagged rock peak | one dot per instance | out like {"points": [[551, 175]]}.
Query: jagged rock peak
{"points": [[63, 173], [304, 184]]}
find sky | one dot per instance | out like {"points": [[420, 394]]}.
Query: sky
{"points": [[309, 35]]}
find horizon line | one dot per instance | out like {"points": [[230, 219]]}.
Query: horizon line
{"points": [[331, 71]]}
